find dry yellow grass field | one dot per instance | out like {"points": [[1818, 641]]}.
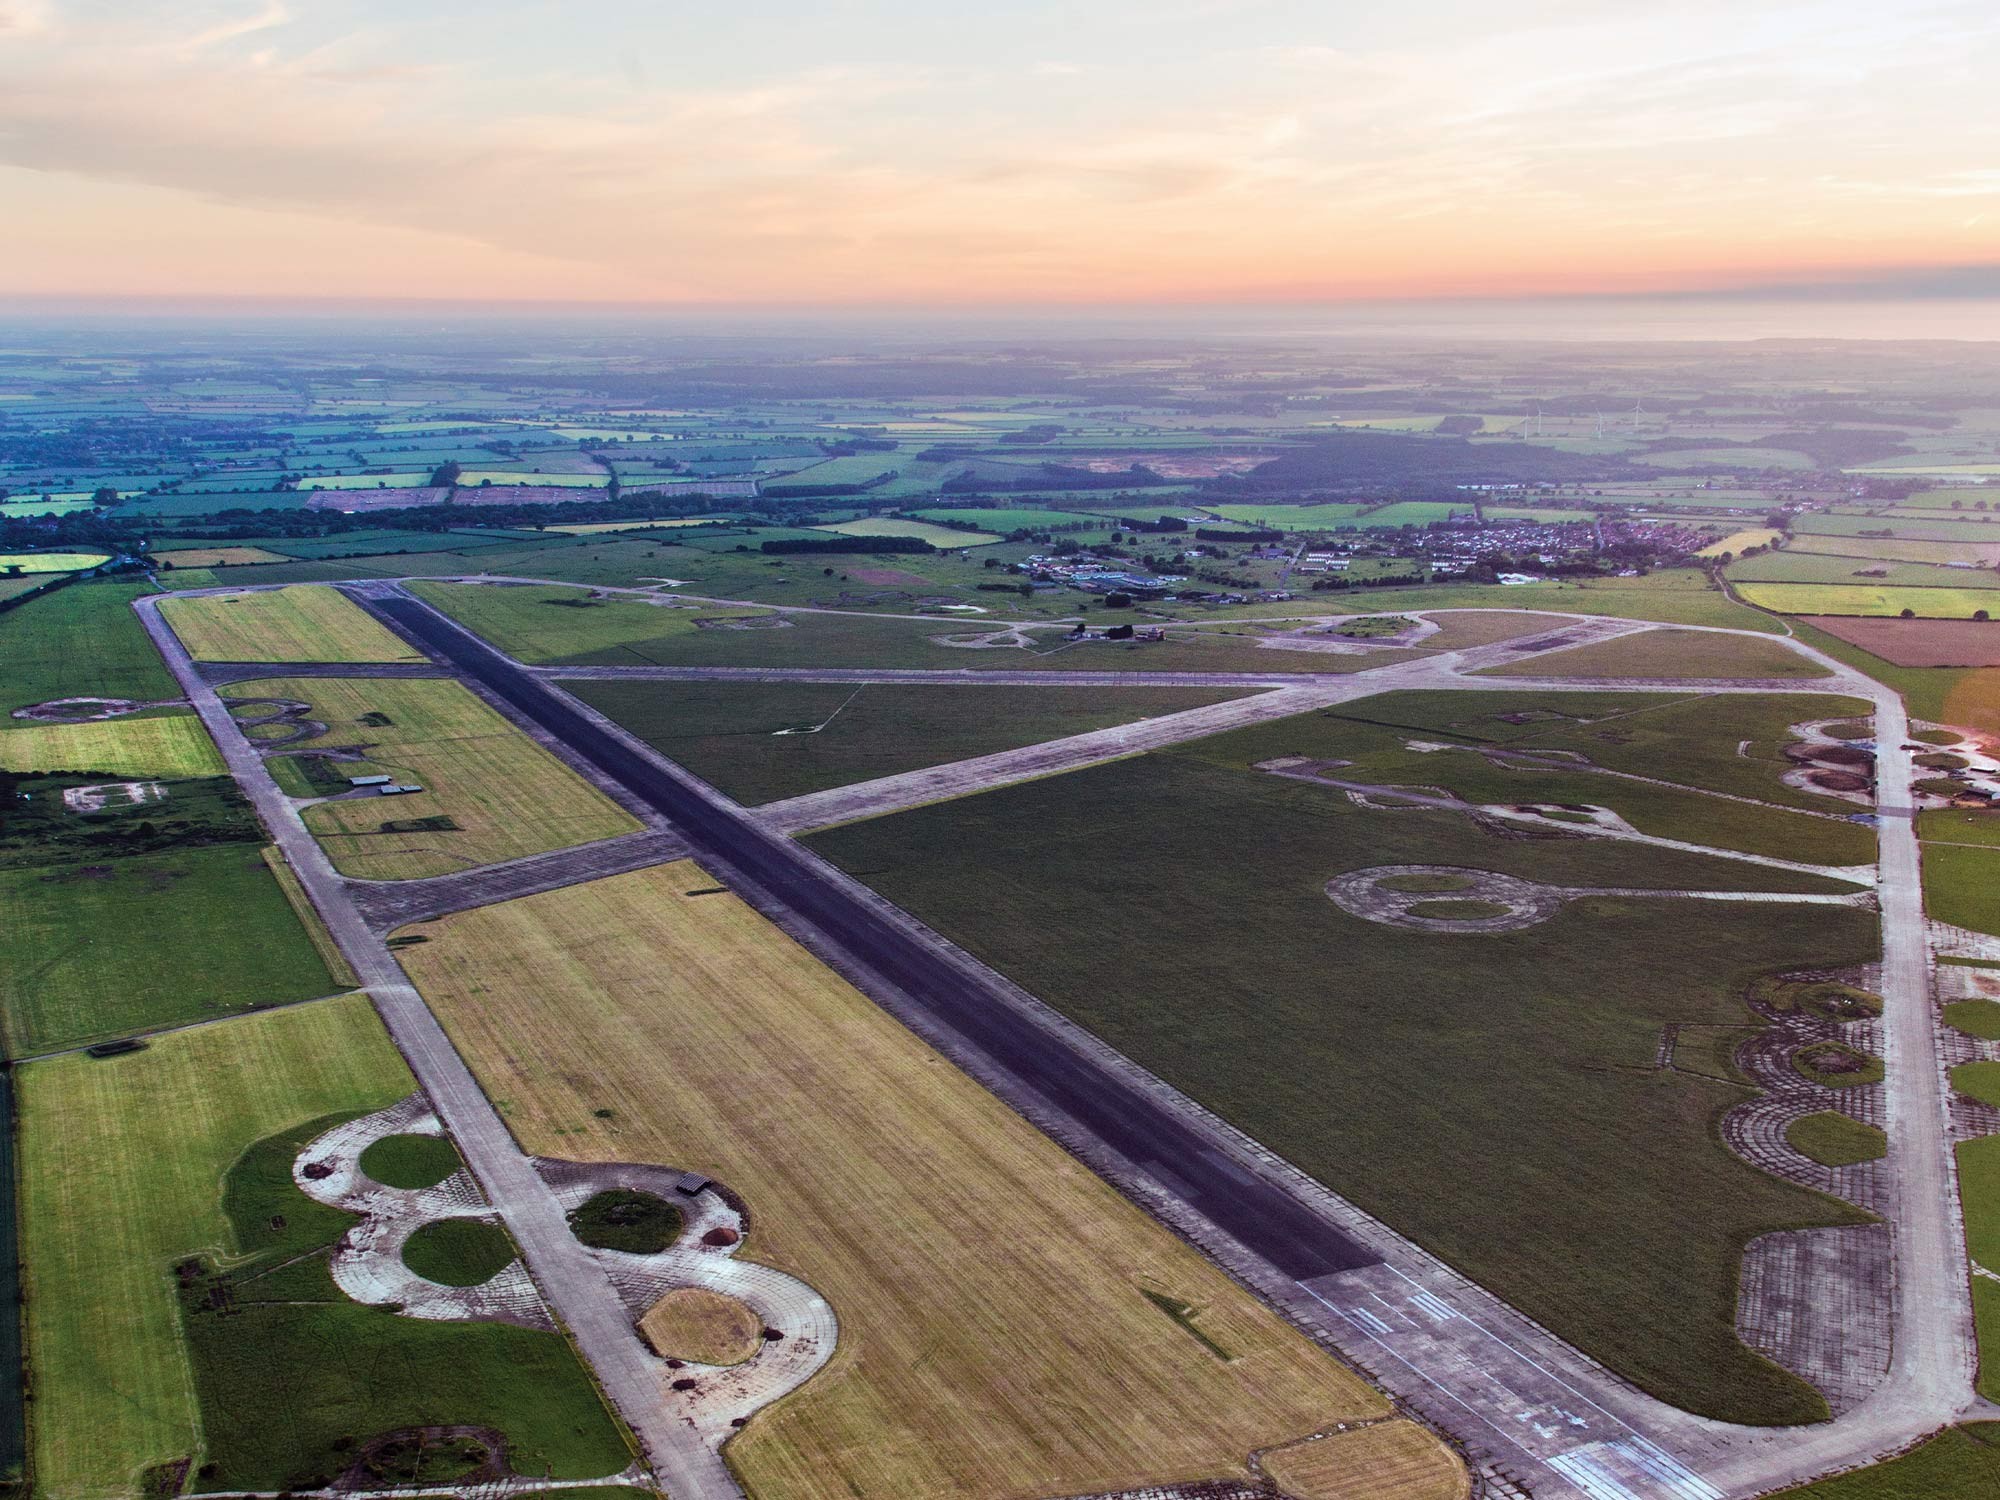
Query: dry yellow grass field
{"points": [[306, 622], [170, 745], [1736, 541], [997, 1338], [1459, 629], [1395, 1460], [694, 1323], [507, 795], [217, 557]]}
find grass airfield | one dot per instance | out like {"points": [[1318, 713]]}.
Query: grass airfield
{"points": [[982, 1277], [1507, 1118], [499, 795]]}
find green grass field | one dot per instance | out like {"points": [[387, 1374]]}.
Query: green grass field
{"points": [[1869, 599], [1010, 518], [1493, 1096], [50, 562], [929, 531], [1962, 886], [95, 950], [83, 640], [523, 623], [1668, 653], [260, 1396], [1960, 1463], [1861, 552], [1821, 568], [459, 1252], [1374, 734], [1980, 1018], [1727, 742], [1680, 596], [1833, 1140], [410, 1161], [1279, 517], [1899, 528], [105, 1213], [726, 733], [174, 745], [543, 624], [1978, 1080]]}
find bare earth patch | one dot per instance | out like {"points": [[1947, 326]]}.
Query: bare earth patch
{"points": [[1917, 643]]}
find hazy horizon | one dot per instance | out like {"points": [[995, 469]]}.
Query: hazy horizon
{"points": [[1205, 152]]}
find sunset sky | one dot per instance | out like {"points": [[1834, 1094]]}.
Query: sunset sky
{"points": [[888, 152]]}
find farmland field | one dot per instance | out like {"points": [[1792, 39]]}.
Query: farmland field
{"points": [[305, 623], [937, 536], [505, 795], [1600, 1203], [1898, 528], [1984, 554], [889, 1181], [51, 562], [81, 950], [165, 745], [1736, 541], [1008, 518], [1289, 517], [593, 528], [1395, 1460], [1818, 567], [728, 733], [80, 640], [1860, 599], [1668, 653], [132, 1165], [215, 557], [1917, 643]]}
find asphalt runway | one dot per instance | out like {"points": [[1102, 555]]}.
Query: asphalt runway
{"points": [[1258, 1213]]}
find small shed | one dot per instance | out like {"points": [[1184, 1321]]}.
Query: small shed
{"points": [[396, 791], [368, 781], [690, 1184]]}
